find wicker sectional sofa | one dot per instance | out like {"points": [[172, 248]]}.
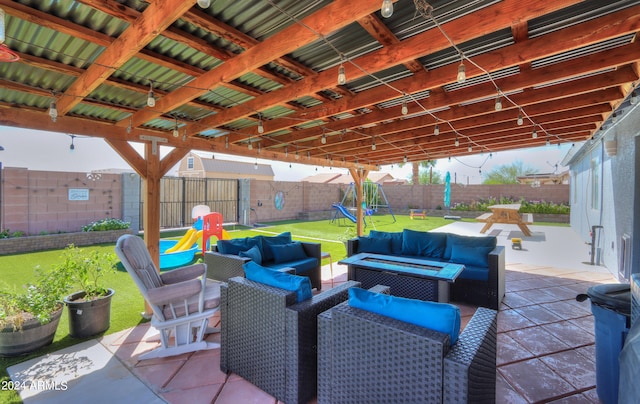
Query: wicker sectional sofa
{"points": [[482, 282], [226, 258]]}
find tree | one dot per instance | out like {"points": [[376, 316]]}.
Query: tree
{"points": [[508, 173], [423, 177]]}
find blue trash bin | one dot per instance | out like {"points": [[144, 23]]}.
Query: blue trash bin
{"points": [[611, 308]]}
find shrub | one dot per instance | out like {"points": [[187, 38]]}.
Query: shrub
{"points": [[107, 224]]}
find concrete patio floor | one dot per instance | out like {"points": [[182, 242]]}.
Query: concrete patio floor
{"points": [[545, 337]]}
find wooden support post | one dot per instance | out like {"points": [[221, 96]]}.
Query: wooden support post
{"points": [[359, 175]]}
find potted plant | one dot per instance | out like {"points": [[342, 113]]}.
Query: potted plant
{"points": [[89, 307], [29, 319]]}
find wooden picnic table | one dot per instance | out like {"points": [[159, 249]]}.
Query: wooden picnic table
{"points": [[507, 214]]}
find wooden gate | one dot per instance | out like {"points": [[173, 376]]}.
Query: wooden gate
{"points": [[178, 195]]}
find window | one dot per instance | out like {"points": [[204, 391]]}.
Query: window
{"points": [[595, 183], [190, 163]]}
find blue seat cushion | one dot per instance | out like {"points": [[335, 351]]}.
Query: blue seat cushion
{"points": [[299, 284], [268, 242], [287, 252], [475, 273], [457, 239], [236, 245], [377, 245], [394, 237], [428, 244], [253, 253], [442, 317], [467, 255], [303, 265]]}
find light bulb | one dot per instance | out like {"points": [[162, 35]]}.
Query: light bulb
{"points": [[614, 118], [436, 130], [373, 145], [387, 8], [342, 77], [405, 158], [175, 132], [53, 111], [462, 76], [297, 156], [457, 142], [250, 147], [548, 142], [498, 104], [520, 120], [323, 139], [204, 3], [260, 126], [469, 149], [634, 98], [534, 134], [255, 166], [151, 99], [405, 109]]}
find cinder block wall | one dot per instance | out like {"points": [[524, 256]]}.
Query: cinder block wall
{"points": [[38, 201]]}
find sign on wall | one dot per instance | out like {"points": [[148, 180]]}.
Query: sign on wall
{"points": [[78, 194]]}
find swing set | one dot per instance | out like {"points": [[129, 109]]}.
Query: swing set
{"points": [[374, 199]]}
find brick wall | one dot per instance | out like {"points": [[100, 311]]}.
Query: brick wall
{"points": [[38, 201]]}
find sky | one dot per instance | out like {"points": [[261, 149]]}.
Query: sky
{"points": [[49, 151]]}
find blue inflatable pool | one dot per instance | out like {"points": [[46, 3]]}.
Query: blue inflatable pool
{"points": [[175, 259]]}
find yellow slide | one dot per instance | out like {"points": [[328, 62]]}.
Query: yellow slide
{"points": [[194, 239], [185, 242]]}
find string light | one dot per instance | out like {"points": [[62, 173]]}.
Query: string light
{"points": [[457, 143], [436, 130], [204, 3], [323, 139], [53, 110], [260, 126], [634, 98], [548, 141], [130, 127], [72, 147], [498, 105], [534, 134], [469, 149], [405, 158], [462, 75], [226, 142], [405, 108], [255, 165], [614, 118], [520, 120], [387, 8], [342, 77], [175, 129], [151, 99], [373, 144]]}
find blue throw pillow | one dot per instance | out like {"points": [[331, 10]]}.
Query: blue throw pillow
{"points": [[288, 252], [295, 283], [235, 245], [394, 237], [428, 244], [442, 317], [377, 245], [469, 241], [477, 256], [268, 242], [253, 253]]}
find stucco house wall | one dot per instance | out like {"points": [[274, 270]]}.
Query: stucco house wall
{"points": [[604, 192]]}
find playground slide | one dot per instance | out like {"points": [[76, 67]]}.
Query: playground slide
{"points": [[190, 237], [344, 211]]}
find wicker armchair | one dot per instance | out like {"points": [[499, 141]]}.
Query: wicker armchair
{"points": [[270, 340], [221, 267], [365, 358]]}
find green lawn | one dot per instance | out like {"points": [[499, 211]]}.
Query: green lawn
{"points": [[127, 303]]}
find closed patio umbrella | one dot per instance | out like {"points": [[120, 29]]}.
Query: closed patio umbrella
{"points": [[447, 191]]}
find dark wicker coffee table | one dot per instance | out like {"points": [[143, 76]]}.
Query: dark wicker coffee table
{"points": [[406, 277]]}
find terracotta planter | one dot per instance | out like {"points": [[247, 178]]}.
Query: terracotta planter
{"points": [[32, 337], [88, 318]]}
